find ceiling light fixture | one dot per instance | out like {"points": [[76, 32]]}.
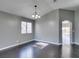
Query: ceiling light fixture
{"points": [[35, 15]]}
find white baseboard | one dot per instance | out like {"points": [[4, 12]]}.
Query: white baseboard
{"points": [[49, 42], [14, 45], [76, 43]]}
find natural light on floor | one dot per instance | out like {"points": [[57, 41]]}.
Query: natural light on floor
{"points": [[40, 45]]}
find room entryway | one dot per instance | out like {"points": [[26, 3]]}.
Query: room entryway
{"points": [[66, 38], [66, 32]]}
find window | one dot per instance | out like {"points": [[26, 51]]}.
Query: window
{"points": [[26, 27], [23, 27], [29, 27]]}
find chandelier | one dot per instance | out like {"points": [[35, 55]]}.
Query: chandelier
{"points": [[35, 15]]}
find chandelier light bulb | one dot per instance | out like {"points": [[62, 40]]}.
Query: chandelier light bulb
{"points": [[33, 16], [38, 16]]}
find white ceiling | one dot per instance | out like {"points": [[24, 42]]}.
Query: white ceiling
{"points": [[25, 8]]}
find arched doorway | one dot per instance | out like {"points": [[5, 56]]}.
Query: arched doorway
{"points": [[66, 32], [66, 38]]}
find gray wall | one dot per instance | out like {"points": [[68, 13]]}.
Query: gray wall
{"points": [[66, 15], [10, 30], [47, 28], [77, 26]]}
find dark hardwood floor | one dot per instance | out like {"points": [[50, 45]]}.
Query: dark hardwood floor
{"points": [[30, 50]]}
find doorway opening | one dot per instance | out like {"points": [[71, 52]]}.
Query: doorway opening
{"points": [[66, 32], [66, 38]]}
